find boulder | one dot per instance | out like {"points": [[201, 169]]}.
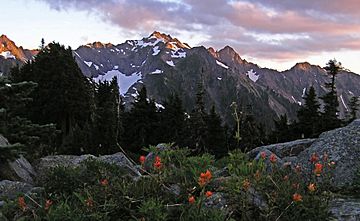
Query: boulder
{"points": [[23, 170], [118, 159], [281, 150], [343, 147], [11, 189], [345, 209]]}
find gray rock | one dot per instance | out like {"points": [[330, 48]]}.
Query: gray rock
{"points": [[23, 169], [282, 150], [345, 209], [3, 141], [118, 159], [217, 200], [343, 147], [11, 189]]}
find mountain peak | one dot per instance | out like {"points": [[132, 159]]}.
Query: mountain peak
{"points": [[169, 41], [98, 44], [305, 66]]}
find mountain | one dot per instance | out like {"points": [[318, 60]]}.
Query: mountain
{"points": [[12, 55], [166, 65]]}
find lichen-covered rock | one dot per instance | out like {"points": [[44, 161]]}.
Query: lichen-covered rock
{"points": [[118, 159], [282, 150], [11, 189], [345, 209], [342, 146]]}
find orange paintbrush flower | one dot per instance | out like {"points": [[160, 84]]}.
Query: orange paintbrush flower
{"points": [[208, 194], [142, 159], [312, 187], [297, 197], [191, 199], [22, 203], [318, 169]]}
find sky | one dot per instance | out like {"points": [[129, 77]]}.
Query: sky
{"points": [[271, 33]]}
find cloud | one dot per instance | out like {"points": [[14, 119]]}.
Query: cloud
{"points": [[272, 29]]}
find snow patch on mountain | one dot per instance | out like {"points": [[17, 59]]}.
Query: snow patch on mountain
{"points": [[96, 67], [7, 55], [219, 78], [88, 63], [343, 102], [252, 75], [159, 106], [157, 71], [156, 51], [124, 82], [178, 54], [221, 64], [171, 63], [298, 102], [303, 93]]}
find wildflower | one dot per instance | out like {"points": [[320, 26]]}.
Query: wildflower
{"points": [[204, 178], [257, 175], [297, 197], [296, 185], [318, 169], [314, 158], [332, 163], [286, 178], [104, 182], [273, 158], [89, 202], [298, 169], [208, 194], [142, 159], [157, 163], [22, 203], [246, 184], [48, 203], [312, 187], [191, 199], [263, 155]]}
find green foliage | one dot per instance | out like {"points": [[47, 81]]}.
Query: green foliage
{"points": [[141, 124], [309, 115], [153, 209], [354, 107], [63, 95]]}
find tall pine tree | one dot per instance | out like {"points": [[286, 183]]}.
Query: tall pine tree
{"points": [[309, 115], [329, 117], [107, 125], [141, 124], [63, 95], [354, 107], [215, 137]]}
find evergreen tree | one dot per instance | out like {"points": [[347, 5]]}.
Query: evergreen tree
{"points": [[36, 140], [107, 125], [196, 124], [354, 107], [282, 132], [172, 123], [215, 136], [309, 115], [63, 95], [141, 124], [330, 115]]}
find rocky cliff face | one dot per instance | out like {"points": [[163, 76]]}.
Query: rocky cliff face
{"points": [[166, 65]]}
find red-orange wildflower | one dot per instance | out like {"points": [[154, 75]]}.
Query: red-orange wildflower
{"points": [[157, 163], [246, 184], [273, 158], [263, 155], [312, 187], [104, 182], [297, 197], [191, 199], [89, 202], [22, 203], [208, 194], [204, 178], [48, 203], [314, 158], [318, 169], [142, 159]]}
